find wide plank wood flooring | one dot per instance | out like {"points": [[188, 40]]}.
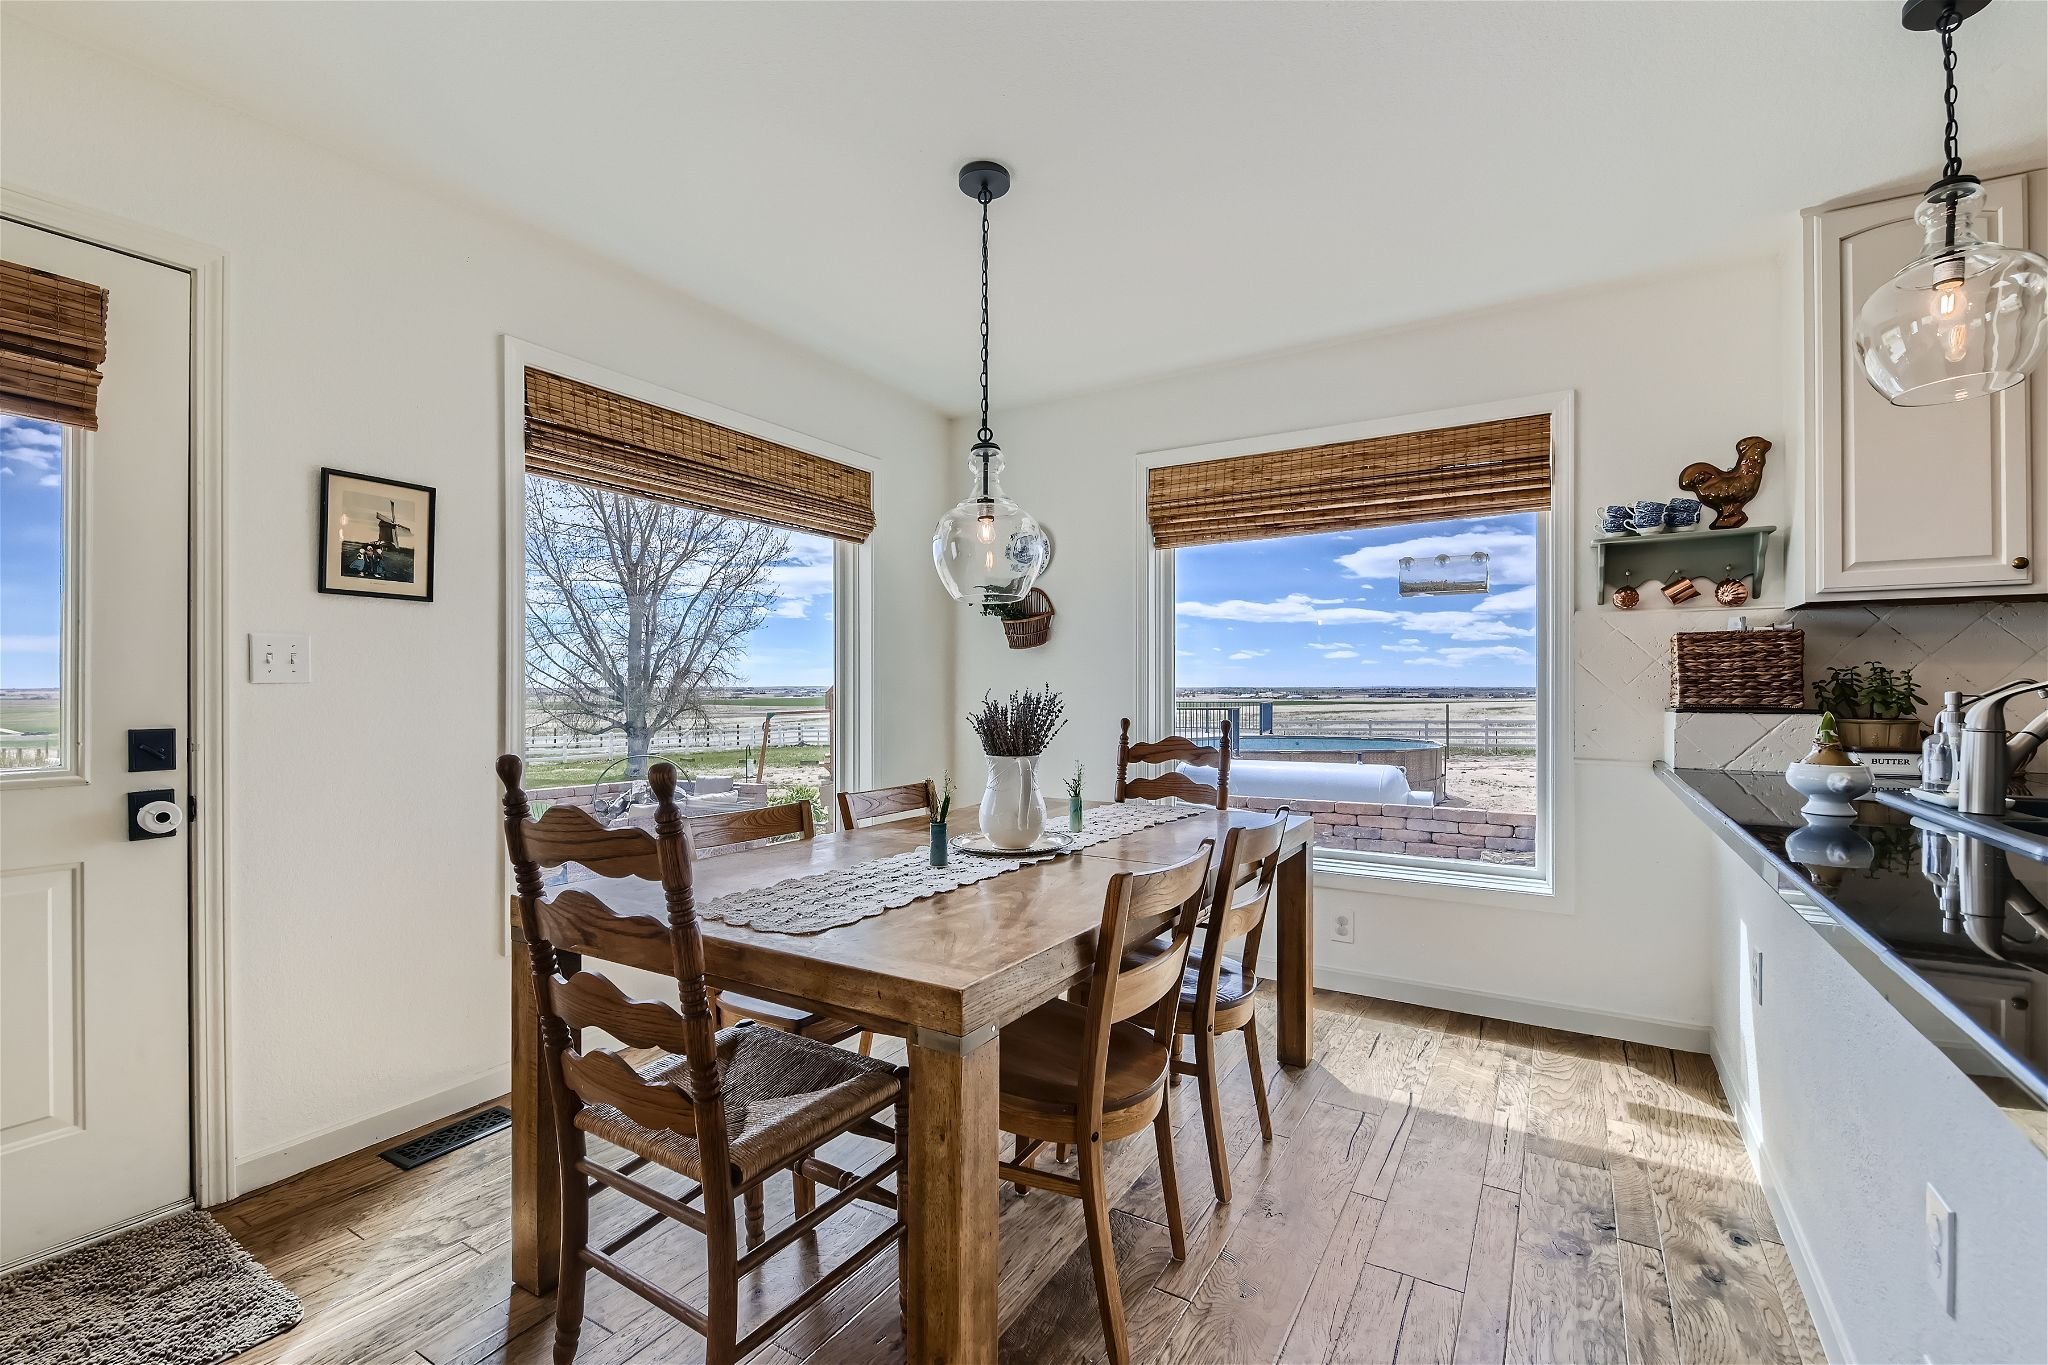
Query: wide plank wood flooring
{"points": [[1439, 1188]]}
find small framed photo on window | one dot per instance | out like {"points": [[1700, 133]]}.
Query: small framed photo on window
{"points": [[376, 537]]}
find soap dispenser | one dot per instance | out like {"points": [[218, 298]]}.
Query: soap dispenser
{"points": [[1942, 749]]}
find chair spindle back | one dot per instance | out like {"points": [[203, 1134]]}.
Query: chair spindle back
{"points": [[1173, 749]]}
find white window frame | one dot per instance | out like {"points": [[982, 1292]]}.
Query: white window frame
{"points": [[1542, 886], [852, 565]]}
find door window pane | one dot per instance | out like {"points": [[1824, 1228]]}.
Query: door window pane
{"points": [[662, 632], [35, 714]]}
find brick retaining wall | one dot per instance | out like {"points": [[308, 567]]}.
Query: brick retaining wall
{"points": [[1494, 836]]}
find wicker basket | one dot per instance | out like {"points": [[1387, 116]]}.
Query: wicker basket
{"points": [[1738, 670], [1029, 632]]}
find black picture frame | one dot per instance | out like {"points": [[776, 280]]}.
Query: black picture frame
{"points": [[333, 571]]}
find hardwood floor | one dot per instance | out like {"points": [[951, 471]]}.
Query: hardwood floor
{"points": [[1439, 1188]]}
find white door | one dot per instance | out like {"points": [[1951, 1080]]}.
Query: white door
{"points": [[95, 1122]]}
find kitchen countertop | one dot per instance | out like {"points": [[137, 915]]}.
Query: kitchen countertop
{"points": [[1963, 954]]}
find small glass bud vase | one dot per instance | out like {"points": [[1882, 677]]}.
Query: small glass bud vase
{"points": [[1075, 814], [942, 848]]}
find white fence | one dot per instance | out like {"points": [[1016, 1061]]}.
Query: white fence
{"points": [[696, 739], [1203, 721]]}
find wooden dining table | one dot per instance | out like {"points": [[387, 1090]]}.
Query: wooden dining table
{"points": [[945, 974]]}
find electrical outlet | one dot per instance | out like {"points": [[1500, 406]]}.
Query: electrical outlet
{"points": [[280, 658], [1941, 1250], [1756, 978], [1340, 927]]}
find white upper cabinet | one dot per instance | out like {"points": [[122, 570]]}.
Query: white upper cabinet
{"points": [[1910, 502]]}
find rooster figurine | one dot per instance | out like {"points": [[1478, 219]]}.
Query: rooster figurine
{"points": [[1728, 491]]}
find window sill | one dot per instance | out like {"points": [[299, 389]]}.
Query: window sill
{"points": [[1386, 876]]}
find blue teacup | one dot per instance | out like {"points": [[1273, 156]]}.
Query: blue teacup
{"points": [[1649, 517], [1682, 514], [1614, 519]]}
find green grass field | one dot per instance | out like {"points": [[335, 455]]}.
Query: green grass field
{"points": [[33, 712], [574, 772]]}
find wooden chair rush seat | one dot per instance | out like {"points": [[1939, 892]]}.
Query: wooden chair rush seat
{"points": [[857, 809], [1091, 1073], [727, 1109], [729, 831], [1174, 749], [1219, 993]]}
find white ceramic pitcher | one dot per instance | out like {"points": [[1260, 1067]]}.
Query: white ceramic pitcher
{"points": [[1012, 809]]}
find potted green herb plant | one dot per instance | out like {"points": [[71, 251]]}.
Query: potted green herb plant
{"points": [[1074, 811], [1876, 707]]}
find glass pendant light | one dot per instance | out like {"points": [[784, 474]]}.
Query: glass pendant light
{"points": [[989, 551], [1968, 317]]}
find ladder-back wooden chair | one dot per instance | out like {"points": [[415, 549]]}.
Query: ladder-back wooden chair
{"points": [[727, 1110], [1173, 749], [887, 803], [731, 831], [1219, 992], [1091, 1073]]}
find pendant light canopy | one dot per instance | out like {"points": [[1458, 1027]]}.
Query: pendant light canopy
{"points": [[989, 551], [1967, 317]]}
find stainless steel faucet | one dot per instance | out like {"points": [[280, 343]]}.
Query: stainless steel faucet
{"points": [[1984, 768]]}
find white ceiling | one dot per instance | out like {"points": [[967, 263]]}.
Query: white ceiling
{"points": [[1193, 182]]}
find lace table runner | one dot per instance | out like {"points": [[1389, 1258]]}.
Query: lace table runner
{"points": [[847, 895]]}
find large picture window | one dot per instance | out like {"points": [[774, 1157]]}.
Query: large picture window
{"points": [[1364, 613], [681, 580], [655, 631]]}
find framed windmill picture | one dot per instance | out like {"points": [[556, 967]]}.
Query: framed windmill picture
{"points": [[376, 537]]}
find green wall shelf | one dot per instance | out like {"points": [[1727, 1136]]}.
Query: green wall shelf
{"points": [[1644, 560]]}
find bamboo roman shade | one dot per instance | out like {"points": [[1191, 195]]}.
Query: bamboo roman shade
{"points": [[1483, 469], [587, 435], [53, 339]]}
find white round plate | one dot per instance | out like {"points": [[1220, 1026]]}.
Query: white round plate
{"points": [[1052, 841]]}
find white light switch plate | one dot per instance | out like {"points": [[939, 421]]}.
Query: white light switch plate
{"points": [[280, 658], [1941, 1250]]}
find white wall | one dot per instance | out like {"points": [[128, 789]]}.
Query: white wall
{"points": [[1666, 371], [363, 324], [1852, 1114]]}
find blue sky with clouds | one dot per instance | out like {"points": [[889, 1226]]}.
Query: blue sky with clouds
{"points": [[793, 647], [31, 550], [1326, 610]]}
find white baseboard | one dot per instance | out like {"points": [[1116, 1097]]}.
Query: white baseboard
{"points": [[1819, 1305], [1542, 1013], [269, 1167]]}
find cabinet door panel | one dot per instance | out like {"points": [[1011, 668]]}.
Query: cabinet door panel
{"points": [[1910, 498]]}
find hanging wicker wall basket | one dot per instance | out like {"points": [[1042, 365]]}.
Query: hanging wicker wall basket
{"points": [[1035, 627]]}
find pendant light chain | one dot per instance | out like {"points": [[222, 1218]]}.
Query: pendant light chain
{"points": [[985, 434], [1952, 164]]}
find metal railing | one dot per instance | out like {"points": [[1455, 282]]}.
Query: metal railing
{"points": [[1203, 723]]}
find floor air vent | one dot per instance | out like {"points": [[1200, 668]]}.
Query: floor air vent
{"points": [[448, 1137]]}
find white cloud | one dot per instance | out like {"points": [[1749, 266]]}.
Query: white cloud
{"points": [[1513, 554], [1334, 644], [1185, 653], [1300, 609], [1341, 654], [802, 575], [1515, 599], [1457, 656], [29, 644], [1250, 654], [50, 481], [1406, 647], [1295, 608]]}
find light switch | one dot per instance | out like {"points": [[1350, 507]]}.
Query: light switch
{"points": [[277, 658]]}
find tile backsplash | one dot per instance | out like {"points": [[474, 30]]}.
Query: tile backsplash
{"points": [[1622, 676]]}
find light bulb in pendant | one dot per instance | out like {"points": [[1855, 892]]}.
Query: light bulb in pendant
{"points": [[985, 528]]}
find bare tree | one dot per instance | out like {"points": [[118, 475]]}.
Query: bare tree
{"points": [[634, 607]]}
